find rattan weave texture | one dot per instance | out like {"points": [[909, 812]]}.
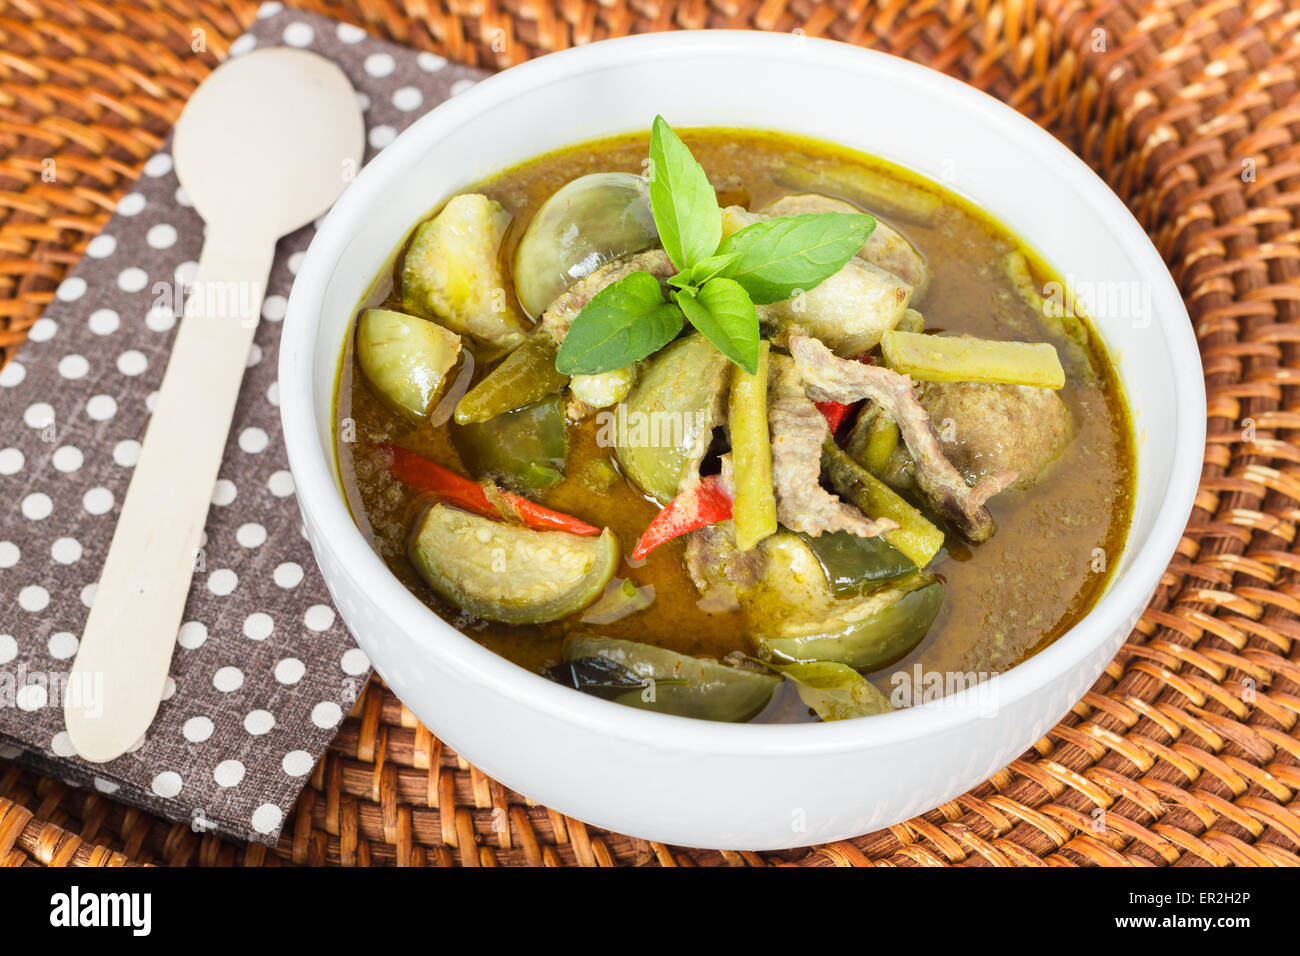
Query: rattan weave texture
{"points": [[1189, 742]]}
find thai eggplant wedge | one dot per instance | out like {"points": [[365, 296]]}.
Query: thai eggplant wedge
{"points": [[710, 502]]}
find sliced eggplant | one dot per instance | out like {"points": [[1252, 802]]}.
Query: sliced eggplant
{"points": [[524, 450], [664, 428], [407, 359], [677, 683], [505, 572], [592, 220], [450, 272]]}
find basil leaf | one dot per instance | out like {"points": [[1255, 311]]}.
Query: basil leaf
{"points": [[682, 198], [722, 311], [624, 322], [835, 691], [781, 257], [702, 272]]}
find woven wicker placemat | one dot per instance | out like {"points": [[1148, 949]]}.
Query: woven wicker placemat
{"points": [[1186, 752]]}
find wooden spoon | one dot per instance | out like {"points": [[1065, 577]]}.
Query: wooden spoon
{"points": [[265, 145]]}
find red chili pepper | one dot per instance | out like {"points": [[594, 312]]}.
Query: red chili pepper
{"points": [[705, 504], [424, 475]]}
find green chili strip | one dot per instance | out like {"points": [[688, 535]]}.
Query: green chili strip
{"points": [[754, 510]]}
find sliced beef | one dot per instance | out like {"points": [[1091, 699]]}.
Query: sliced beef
{"points": [[828, 378], [989, 429], [557, 319], [798, 432]]}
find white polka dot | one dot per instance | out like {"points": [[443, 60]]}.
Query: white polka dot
{"points": [[31, 697], [266, 818], [159, 164], [319, 617], [380, 64], [407, 98], [185, 273], [106, 786], [42, 330], [33, 598], [250, 535], [88, 594], [288, 575], [259, 722], [38, 415], [12, 374], [299, 34], [197, 729], [281, 484], [11, 461], [8, 648], [253, 440], [62, 745], [254, 355], [101, 247], [380, 136], [97, 501], [326, 714], [126, 452], [273, 394], [354, 662], [104, 321], [67, 459], [228, 773], [66, 550], [182, 197], [130, 204], [191, 635], [151, 402], [160, 318], [258, 626], [290, 670], [431, 62], [350, 33], [268, 10], [294, 264], [132, 279], [101, 407], [161, 236], [132, 362], [10, 554], [70, 289], [223, 492], [297, 763], [63, 645], [73, 367], [228, 679], [460, 86], [363, 100], [37, 505], [273, 307], [223, 581], [167, 784]]}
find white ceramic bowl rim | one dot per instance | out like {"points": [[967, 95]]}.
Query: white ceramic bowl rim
{"points": [[318, 490]]}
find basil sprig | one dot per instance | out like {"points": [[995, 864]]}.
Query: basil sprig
{"points": [[718, 281]]}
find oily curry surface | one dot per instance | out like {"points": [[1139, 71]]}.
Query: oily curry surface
{"points": [[1004, 599]]}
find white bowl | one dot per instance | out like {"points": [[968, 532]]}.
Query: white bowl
{"points": [[698, 783]]}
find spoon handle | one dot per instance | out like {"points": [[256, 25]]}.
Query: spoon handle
{"points": [[121, 666]]}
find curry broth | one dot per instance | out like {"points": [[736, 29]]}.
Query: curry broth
{"points": [[1005, 599]]}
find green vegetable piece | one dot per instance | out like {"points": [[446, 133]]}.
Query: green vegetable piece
{"points": [[835, 691], [912, 321], [867, 188], [678, 684], [585, 224], [663, 427], [854, 564], [524, 450], [524, 376], [915, 535], [872, 440], [754, 508], [778, 258], [505, 572], [961, 358], [723, 312], [623, 323], [622, 598], [406, 359], [684, 202], [450, 272], [903, 612]]}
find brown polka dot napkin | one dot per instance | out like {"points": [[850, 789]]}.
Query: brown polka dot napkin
{"points": [[263, 670]]}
